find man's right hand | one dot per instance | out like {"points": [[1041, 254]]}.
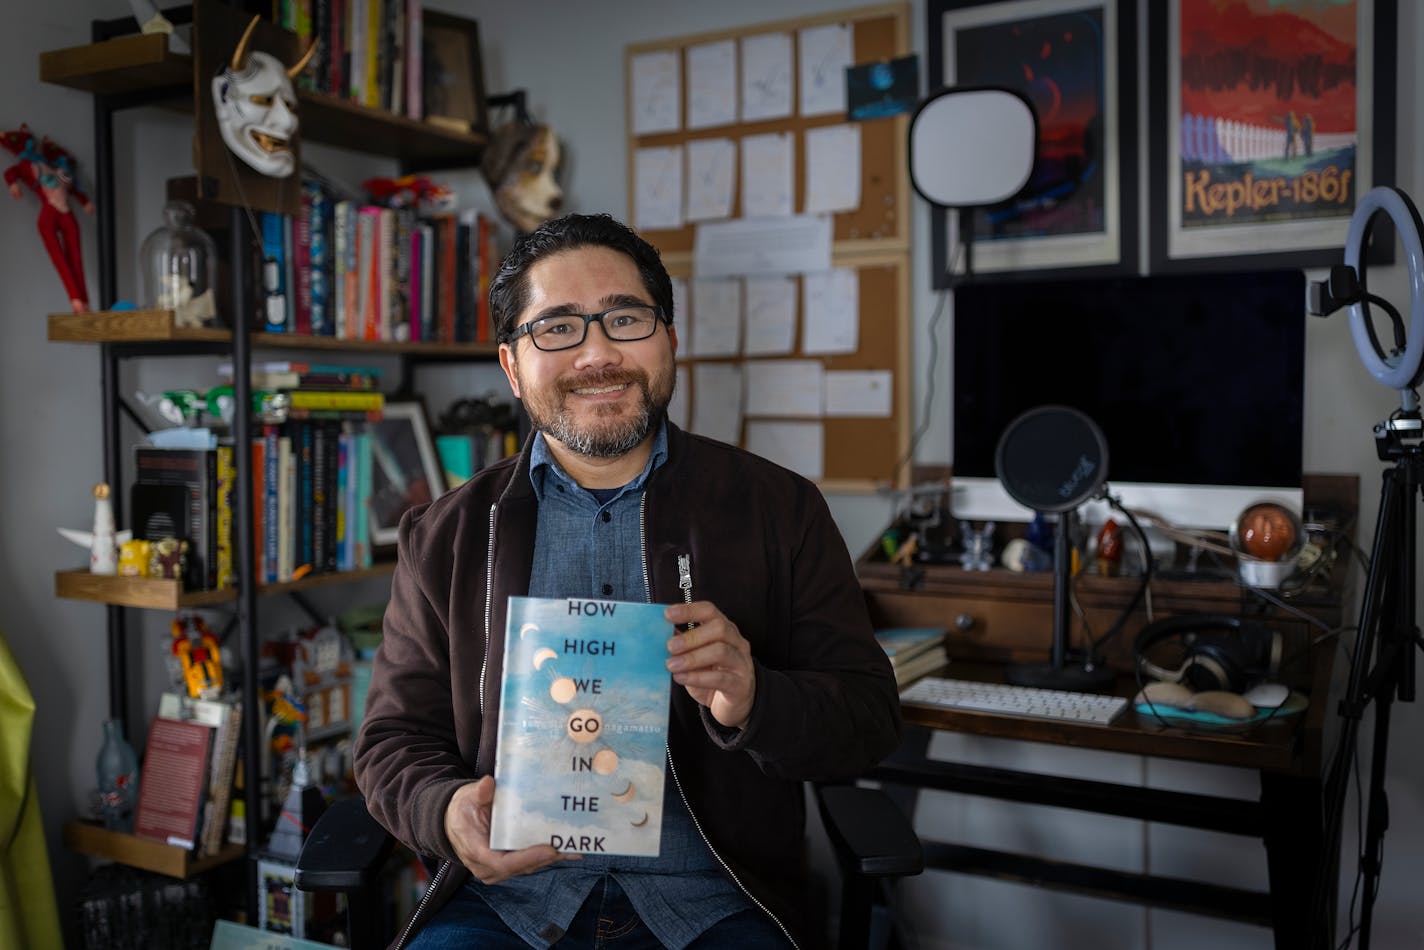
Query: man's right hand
{"points": [[467, 825]]}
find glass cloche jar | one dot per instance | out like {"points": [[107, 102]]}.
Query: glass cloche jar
{"points": [[180, 268]]}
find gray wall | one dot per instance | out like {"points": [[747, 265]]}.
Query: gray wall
{"points": [[569, 56]]}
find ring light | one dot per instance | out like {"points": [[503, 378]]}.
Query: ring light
{"points": [[1402, 370]]}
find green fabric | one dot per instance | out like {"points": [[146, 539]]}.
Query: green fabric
{"points": [[28, 915]]}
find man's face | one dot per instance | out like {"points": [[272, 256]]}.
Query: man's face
{"points": [[600, 399]]}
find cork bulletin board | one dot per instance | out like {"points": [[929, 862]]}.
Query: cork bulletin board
{"points": [[872, 239]]}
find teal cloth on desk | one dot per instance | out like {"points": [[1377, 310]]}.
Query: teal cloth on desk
{"points": [[1293, 704]]}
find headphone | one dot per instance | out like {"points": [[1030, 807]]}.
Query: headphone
{"points": [[1247, 651]]}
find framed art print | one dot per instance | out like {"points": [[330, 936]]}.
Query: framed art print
{"points": [[405, 469], [1075, 63], [1269, 120]]}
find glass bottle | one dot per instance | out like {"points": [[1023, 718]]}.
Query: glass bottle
{"points": [[117, 769], [180, 268]]}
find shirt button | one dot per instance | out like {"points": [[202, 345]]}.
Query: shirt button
{"points": [[607, 589], [607, 517]]}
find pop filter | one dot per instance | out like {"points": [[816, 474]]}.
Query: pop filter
{"points": [[1052, 459]]}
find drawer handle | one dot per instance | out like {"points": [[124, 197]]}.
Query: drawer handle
{"points": [[964, 622]]}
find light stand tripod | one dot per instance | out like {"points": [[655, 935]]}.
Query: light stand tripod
{"points": [[1387, 609], [1387, 619]]}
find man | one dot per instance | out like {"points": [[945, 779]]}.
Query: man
{"points": [[777, 678]]}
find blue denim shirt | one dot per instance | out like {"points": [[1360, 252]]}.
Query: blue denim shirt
{"points": [[588, 548]]}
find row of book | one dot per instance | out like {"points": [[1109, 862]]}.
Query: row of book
{"points": [[311, 487], [189, 768], [368, 51], [914, 651], [359, 271]]}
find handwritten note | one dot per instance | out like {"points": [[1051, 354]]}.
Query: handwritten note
{"points": [[833, 169], [763, 246], [711, 84], [830, 309], [766, 76], [825, 52], [770, 316], [799, 446], [711, 178], [717, 401], [718, 305], [657, 92], [657, 196], [768, 181]]}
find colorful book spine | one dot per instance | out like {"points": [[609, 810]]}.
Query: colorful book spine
{"points": [[274, 270]]}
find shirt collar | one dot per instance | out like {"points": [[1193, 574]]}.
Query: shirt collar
{"points": [[542, 464]]}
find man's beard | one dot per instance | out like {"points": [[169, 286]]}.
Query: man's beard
{"points": [[610, 433]]}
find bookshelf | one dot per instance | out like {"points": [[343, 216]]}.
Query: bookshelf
{"points": [[133, 70]]}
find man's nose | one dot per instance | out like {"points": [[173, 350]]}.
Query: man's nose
{"points": [[597, 347]]}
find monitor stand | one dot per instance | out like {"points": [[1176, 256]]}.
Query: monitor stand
{"points": [[1058, 673]]}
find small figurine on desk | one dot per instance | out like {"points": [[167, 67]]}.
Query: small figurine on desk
{"points": [[978, 546], [1109, 549], [49, 171], [103, 541], [199, 656]]}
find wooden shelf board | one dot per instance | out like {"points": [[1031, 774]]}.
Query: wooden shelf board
{"points": [[145, 326], [160, 594], [125, 326], [96, 841], [125, 64], [347, 124]]}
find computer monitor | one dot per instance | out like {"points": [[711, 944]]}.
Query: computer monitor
{"points": [[1196, 381]]}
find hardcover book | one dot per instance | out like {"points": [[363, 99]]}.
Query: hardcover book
{"points": [[583, 727]]}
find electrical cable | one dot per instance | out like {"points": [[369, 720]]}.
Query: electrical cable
{"points": [[930, 373], [1149, 566]]}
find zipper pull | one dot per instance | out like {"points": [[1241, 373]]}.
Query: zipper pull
{"points": [[684, 580]]}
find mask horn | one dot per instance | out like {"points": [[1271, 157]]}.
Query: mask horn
{"points": [[239, 55], [301, 64]]}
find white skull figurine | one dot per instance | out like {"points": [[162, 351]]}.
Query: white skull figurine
{"points": [[257, 107]]}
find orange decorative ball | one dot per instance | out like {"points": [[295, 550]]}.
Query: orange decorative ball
{"points": [[1267, 533]]}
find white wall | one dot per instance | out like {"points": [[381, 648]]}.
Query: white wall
{"points": [[569, 56]]}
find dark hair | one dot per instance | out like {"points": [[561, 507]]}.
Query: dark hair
{"points": [[509, 291]]}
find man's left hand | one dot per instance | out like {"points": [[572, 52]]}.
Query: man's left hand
{"points": [[713, 661]]}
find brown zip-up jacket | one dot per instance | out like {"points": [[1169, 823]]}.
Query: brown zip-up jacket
{"points": [[762, 547]]}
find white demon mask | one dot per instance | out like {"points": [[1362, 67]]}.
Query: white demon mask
{"points": [[520, 166], [257, 107]]}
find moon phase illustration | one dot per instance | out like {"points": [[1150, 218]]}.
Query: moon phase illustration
{"points": [[543, 655], [605, 761], [640, 823], [527, 628], [624, 796], [562, 690]]}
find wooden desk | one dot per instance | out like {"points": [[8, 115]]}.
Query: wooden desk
{"points": [[997, 618]]}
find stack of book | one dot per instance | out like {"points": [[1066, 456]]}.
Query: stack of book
{"points": [[913, 651], [188, 772]]}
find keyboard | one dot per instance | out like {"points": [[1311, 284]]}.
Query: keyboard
{"points": [[1028, 701]]}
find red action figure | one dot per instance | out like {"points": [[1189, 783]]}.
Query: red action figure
{"points": [[49, 171]]}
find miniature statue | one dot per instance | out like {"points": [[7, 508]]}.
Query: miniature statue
{"points": [[978, 545], [408, 191], [103, 541], [519, 166], [257, 107], [49, 171], [199, 655], [1109, 549]]}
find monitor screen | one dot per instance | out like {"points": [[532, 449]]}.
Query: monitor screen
{"points": [[1196, 381]]}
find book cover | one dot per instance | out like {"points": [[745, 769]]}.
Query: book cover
{"points": [[583, 727], [921, 664], [903, 643], [196, 471], [173, 782]]}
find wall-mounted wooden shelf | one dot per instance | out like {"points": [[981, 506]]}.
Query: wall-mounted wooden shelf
{"points": [[156, 326], [96, 841], [157, 593], [143, 64]]}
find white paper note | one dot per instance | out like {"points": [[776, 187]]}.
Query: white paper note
{"points": [[783, 388], [762, 246], [717, 401], [859, 392], [770, 316], [681, 314], [768, 175], [711, 178], [681, 398], [657, 174], [718, 328], [766, 76], [711, 84], [830, 312], [657, 92], [799, 446], [825, 52], [833, 168]]}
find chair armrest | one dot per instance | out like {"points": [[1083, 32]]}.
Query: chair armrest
{"points": [[345, 851], [870, 834]]}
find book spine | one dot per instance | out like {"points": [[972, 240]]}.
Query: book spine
{"points": [[322, 282], [227, 484], [286, 492], [317, 518], [429, 320], [417, 314], [484, 326], [271, 503], [302, 266], [332, 499], [465, 279], [386, 274], [274, 268], [414, 59], [304, 441], [343, 509]]}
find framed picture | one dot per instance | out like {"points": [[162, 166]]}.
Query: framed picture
{"points": [[452, 83], [1270, 118], [405, 470], [1075, 61]]}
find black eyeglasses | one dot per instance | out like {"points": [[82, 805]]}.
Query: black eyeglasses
{"points": [[564, 331]]}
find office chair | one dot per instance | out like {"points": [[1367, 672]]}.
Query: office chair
{"points": [[870, 835]]}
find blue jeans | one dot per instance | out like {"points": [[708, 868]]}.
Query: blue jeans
{"points": [[606, 920]]}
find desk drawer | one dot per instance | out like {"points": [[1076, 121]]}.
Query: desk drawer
{"points": [[979, 628]]}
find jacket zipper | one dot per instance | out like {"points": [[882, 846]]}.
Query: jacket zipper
{"points": [[424, 899], [684, 581]]}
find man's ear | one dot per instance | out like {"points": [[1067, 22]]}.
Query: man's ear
{"points": [[510, 367], [672, 335]]}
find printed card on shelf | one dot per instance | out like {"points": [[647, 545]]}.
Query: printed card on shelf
{"points": [[581, 757]]}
